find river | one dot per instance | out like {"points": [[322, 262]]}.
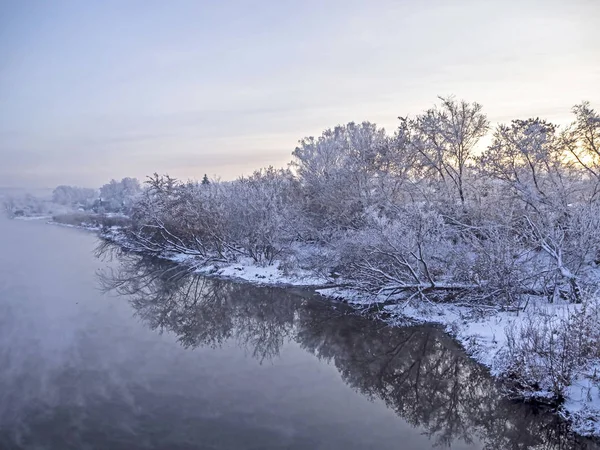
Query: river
{"points": [[132, 354]]}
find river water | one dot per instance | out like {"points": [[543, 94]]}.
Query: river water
{"points": [[131, 354]]}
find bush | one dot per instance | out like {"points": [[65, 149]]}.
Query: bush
{"points": [[550, 347]]}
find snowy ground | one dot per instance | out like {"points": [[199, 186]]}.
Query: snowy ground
{"points": [[26, 218], [245, 269], [83, 226], [582, 406]]}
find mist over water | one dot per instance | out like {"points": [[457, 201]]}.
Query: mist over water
{"points": [[169, 360]]}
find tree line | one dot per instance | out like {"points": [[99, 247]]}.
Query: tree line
{"points": [[423, 213], [112, 197]]}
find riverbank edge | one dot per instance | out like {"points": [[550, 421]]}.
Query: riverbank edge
{"points": [[480, 331]]}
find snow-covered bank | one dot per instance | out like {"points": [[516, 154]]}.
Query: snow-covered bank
{"points": [[483, 331], [485, 335], [82, 226], [245, 269], [28, 218]]}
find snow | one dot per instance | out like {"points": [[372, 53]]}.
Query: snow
{"points": [[82, 226], [582, 406], [27, 218], [245, 269]]}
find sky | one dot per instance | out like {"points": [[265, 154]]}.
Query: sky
{"points": [[94, 90]]}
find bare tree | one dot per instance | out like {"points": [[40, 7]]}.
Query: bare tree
{"points": [[444, 137], [584, 138], [527, 156], [9, 206]]}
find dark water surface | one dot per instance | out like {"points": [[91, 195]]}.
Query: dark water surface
{"points": [[181, 362]]}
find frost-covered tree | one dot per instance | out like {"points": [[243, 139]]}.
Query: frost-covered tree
{"points": [[9, 205], [74, 196], [527, 157], [444, 138], [409, 250], [118, 196], [583, 138], [264, 215], [412, 214], [337, 171], [529, 160], [188, 218]]}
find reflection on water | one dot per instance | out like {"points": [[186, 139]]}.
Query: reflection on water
{"points": [[417, 372]]}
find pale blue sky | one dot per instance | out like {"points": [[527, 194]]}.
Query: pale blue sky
{"points": [[91, 90]]}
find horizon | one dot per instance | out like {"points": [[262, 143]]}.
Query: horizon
{"points": [[94, 92]]}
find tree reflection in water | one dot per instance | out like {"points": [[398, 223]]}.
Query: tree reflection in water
{"points": [[418, 372]]}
